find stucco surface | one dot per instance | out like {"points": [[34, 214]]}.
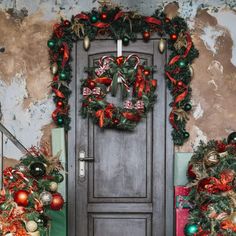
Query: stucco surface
{"points": [[24, 69]]}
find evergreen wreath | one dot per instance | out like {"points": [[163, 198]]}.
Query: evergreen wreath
{"points": [[212, 178], [113, 73], [113, 22]]}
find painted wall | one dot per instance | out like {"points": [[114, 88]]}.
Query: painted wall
{"points": [[25, 27]]}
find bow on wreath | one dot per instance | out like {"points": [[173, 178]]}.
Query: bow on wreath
{"points": [[88, 91]]}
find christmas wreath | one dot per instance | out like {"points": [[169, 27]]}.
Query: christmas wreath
{"points": [[30, 190], [112, 22], [212, 178], [111, 74]]}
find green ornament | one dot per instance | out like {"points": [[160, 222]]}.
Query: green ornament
{"points": [[190, 229], [186, 135], [58, 177], [60, 120], [181, 63], [125, 40], [94, 19], [187, 107], [51, 43], [63, 75]]}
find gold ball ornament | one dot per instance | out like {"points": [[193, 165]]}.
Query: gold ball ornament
{"points": [[86, 43], [233, 217], [31, 226], [162, 45], [53, 186], [211, 158], [54, 68], [36, 233], [191, 71]]}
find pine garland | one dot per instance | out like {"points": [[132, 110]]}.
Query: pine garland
{"points": [[117, 24], [212, 173]]}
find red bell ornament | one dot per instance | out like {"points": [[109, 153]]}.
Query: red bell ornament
{"points": [[21, 197], [57, 202]]}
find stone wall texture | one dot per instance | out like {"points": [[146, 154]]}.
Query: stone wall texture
{"points": [[25, 27]]}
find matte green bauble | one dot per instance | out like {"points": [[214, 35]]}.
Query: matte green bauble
{"points": [[186, 135], [190, 229], [63, 75], [187, 107], [181, 63], [51, 43], [58, 177], [37, 169], [125, 40], [94, 19], [232, 138]]}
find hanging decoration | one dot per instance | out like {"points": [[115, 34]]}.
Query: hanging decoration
{"points": [[212, 179], [29, 191], [112, 22], [111, 74]]}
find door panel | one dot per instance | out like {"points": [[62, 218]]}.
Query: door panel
{"points": [[123, 191]]}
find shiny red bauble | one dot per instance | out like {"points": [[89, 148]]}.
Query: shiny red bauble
{"points": [[59, 104], [173, 36], [21, 197], [180, 84], [57, 202], [147, 72], [91, 84], [104, 16], [146, 35]]}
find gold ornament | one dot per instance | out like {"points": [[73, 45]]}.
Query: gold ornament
{"points": [[31, 226], [54, 68], [181, 114], [211, 158], [181, 41], [162, 45], [191, 71], [86, 43], [53, 186], [36, 233], [233, 217]]}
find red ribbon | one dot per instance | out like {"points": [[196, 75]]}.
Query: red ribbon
{"points": [[189, 44], [82, 16], [66, 54], [152, 20], [59, 111], [58, 93], [103, 80], [57, 29], [131, 116], [107, 112]]}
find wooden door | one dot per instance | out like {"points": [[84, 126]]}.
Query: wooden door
{"points": [[127, 190]]}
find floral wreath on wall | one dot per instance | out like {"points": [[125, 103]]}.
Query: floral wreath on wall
{"points": [[113, 22]]}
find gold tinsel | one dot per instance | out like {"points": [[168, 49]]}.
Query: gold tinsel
{"points": [[181, 114], [54, 163], [78, 28]]}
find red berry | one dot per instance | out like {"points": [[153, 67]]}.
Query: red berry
{"points": [[173, 36], [147, 72], [104, 16], [59, 103], [91, 84]]}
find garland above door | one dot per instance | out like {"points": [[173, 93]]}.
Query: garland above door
{"points": [[117, 24]]}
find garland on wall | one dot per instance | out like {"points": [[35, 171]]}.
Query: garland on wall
{"points": [[212, 177], [30, 190], [115, 23]]}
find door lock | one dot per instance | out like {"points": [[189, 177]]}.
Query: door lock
{"points": [[82, 160]]}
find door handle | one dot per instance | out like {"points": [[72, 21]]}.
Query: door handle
{"points": [[82, 159]]}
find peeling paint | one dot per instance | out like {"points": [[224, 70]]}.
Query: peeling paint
{"points": [[198, 111]]}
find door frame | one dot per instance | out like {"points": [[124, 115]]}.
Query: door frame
{"points": [[72, 153]]}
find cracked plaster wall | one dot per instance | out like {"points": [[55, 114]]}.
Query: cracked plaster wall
{"points": [[25, 27]]}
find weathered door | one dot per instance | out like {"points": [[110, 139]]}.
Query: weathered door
{"points": [[124, 191]]}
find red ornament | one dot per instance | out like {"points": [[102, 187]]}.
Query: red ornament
{"points": [[57, 202], [221, 147], [119, 60], [180, 84], [191, 172], [21, 197], [146, 35], [104, 16], [91, 84], [147, 72], [59, 104], [66, 23], [173, 36]]}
